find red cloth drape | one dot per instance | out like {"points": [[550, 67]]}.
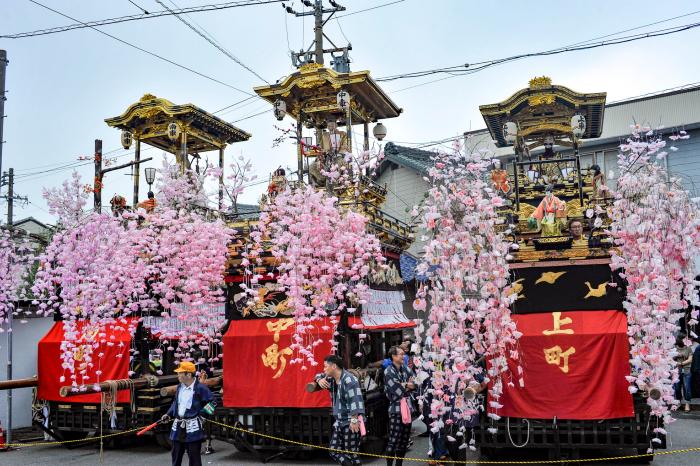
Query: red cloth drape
{"points": [[111, 364], [574, 367], [257, 368], [356, 323]]}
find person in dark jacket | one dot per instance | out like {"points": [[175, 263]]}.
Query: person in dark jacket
{"points": [[695, 371], [192, 399], [683, 360], [398, 383], [348, 406]]}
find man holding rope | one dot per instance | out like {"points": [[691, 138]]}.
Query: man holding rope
{"points": [[192, 399]]}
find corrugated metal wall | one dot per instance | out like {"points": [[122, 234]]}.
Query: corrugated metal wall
{"points": [[685, 162]]}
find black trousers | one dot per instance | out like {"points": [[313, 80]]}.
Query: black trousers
{"points": [[399, 435], [193, 449]]}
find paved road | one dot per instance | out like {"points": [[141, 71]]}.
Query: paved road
{"points": [[685, 433]]}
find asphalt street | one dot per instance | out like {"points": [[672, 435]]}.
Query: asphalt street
{"points": [[684, 433]]}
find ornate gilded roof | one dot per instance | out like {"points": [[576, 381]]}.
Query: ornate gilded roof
{"points": [[313, 90], [148, 119], [544, 108]]}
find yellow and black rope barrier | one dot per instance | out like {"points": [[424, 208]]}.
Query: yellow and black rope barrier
{"points": [[426, 460], [371, 455], [63, 442]]}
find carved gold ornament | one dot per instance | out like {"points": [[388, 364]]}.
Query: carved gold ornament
{"points": [[597, 292], [549, 277], [544, 99], [574, 209], [540, 82]]}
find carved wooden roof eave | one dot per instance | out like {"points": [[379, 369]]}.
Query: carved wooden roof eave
{"points": [[521, 96], [359, 83], [147, 109], [592, 105]]}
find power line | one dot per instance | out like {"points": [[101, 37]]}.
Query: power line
{"points": [[286, 31], [637, 27], [63, 164], [465, 69], [167, 60], [341, 30], [234, 104], [251, 116], [44, 173], [655, 93], [140, 8], [368, 9], [122, 19], [212, 42]]}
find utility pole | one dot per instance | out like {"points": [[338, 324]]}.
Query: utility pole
{"points": [[8, 178], [10, 214], [341, 63], [306, 56], [318, 31], [10, 204], [10, 197], [3, 67], [98, 183], [137, 171]]}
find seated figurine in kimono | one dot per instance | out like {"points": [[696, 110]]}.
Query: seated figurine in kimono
{"points": [[549, 214]]}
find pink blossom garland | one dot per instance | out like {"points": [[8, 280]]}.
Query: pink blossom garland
{"points": [[186, 254], [656, 229], [15, 260], [91, 273], [468, 288], [68, 201], [324, 256], [102, 268]]}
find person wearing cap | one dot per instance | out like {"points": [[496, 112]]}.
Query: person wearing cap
{"points": [[191, 401]]}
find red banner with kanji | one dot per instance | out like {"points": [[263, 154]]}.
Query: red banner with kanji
{"points": [[257, 368], [113, 364], [574, 367]]}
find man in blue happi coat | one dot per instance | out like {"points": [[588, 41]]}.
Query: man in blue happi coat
{"points": [[192, 400]]}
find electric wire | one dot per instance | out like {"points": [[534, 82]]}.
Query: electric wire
{"points": [[123, 19], [160, 57], [26, 177], [210, 40], [139, 7], [235, 104], [470, 68], [369, 9], [252, 116]]}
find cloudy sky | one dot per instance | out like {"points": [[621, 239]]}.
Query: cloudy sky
{"points": [[62, 86]]}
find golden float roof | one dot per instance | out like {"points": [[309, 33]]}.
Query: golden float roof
{"points": [[148, 119], [315, 87], [544, 108]]}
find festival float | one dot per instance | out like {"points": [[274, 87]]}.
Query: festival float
{"points": [[316, 269], [569, 302], [121, 361], [554, 273]]}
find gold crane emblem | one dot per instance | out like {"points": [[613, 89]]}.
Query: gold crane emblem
{"points": [[549, 277], [515, 288], [597, 292]]}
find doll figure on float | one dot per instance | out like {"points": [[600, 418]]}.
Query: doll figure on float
{"points": [[550, 214]]}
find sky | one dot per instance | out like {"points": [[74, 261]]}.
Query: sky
{"points": [[61, 87]]}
